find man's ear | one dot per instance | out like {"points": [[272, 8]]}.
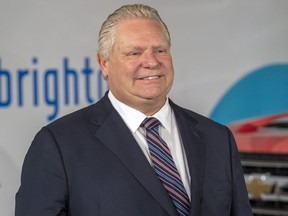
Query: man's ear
{"points": [[103, 65]]}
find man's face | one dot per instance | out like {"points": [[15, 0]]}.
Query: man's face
{"points": [[139, 70]]}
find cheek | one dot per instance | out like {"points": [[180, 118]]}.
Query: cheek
{"points": [[120, 77], [166, 61], [169, 68]]}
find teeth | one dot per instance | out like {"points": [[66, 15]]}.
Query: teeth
{"points": [[150, 77]]}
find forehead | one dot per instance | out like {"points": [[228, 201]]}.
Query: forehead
{"points": [[139, 28]]}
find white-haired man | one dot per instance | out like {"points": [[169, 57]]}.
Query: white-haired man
{"points": [[135, 152]]}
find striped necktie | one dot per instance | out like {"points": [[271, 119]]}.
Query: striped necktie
{"points": [[165, 167]]}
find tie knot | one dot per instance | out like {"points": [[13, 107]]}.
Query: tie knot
{"points": [[150, 123]]}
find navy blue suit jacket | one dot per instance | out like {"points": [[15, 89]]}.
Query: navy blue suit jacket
{"points": [[89, 164]]}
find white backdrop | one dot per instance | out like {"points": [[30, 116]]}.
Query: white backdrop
{"points": [[214, 43]]}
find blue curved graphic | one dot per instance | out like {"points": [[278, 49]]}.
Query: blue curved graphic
{"points": [[261, 92]]}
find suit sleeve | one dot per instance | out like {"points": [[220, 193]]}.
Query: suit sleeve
{"points": [[43, 189], [240, 202]]}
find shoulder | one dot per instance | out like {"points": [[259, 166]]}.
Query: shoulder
{"points": [[79, 118], [74, 119], [201, 123], [192, 116], [81, 123]]}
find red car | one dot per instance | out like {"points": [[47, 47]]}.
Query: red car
{"points": [[263, 147], [267, 134]]}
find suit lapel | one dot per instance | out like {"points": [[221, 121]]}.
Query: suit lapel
{"points": [[116, 136], [194, 146]]}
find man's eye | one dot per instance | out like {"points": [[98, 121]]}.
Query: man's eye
{"points": [[134, 53], [160, 51]]}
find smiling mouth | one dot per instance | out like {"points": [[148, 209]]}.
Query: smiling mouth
{"points": [[150, 77]]}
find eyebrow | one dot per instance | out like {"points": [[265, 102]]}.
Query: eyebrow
{"points": [[143, 48]]}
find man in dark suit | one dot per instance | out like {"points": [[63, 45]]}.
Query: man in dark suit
{"points": [[102, 160]]}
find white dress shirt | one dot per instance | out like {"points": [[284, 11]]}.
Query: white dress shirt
{"points": [[168, 131]]}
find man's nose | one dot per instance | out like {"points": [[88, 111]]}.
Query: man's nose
{"points": [[150, 60]]}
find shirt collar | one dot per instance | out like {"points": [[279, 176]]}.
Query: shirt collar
{"points": [[133, 118]]}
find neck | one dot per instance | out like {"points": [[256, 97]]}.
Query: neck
{"points": [[147, 106]]}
